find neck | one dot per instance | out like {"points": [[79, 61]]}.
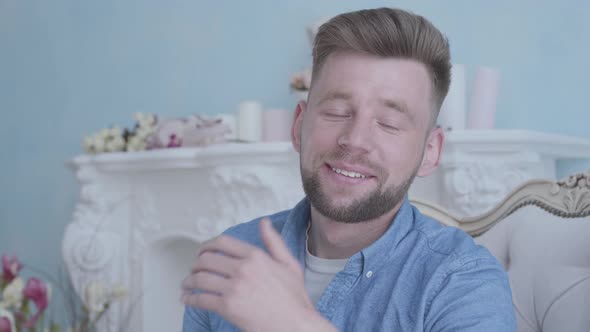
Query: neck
{"points": [[336, 240]]}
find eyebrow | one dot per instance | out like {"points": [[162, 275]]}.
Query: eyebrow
{"points": [[395, 105], [398, 106], [334, 95]]}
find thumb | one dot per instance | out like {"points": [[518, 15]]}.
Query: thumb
{"points": [[275, 244]]}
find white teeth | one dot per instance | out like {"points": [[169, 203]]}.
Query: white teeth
{"points": [[347, 173]]}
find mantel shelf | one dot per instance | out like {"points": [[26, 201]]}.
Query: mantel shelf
{"points": [[547, 145], [515, 140]]}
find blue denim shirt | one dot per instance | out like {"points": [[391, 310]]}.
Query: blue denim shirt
{"points": [[418, 276]]}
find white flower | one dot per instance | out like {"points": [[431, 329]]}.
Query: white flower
{"points": [[145, 120], [118, 292], [104, 133], [146, 123], [115, 132], [119, 143], [138, 116], [96, 296], [135, 143], [144, 132], [98, 144], [95, 143], [115, 144], [7, 314], [13, 294], [88, 140], [89, 144]]}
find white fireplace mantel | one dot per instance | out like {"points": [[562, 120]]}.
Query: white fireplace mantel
{"points": [[141, 216]]}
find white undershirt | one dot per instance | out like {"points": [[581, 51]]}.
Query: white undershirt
{"points": [[319, 272]]}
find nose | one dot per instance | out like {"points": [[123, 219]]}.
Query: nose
{"points": [[356, 136]]}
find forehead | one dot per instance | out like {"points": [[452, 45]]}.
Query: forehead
{"points": [[369, 77]]}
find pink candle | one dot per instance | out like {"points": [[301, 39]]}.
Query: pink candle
{"points": [[277, 125]]}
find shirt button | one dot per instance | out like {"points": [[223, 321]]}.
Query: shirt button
{"points": [[369, 274]]}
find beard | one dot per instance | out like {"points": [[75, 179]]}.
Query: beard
{"points": [[372, 205]]}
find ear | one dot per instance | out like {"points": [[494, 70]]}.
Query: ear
{"points": [[297, 123], [432, 152]]}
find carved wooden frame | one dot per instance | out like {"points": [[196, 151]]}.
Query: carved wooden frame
{"points": [[566, 198]]}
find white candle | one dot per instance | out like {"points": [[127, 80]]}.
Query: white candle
{"points": [[250, 121], [452, 112], [482, 112]]}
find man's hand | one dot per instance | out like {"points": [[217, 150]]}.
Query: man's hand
{"points": [[254, 290]]}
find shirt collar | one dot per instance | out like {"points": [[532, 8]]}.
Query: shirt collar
{"points": [[369, 259], [294, 230], [375, 255]]}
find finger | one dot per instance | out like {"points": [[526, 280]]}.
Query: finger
{"points": [[205, 301], [275, 244], [228, 246], [215, 263], [207, 282]]}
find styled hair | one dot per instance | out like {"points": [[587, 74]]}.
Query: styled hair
{"points": [[388, 32]]}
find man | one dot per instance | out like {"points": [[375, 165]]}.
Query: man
{"points": [[354, 255]]}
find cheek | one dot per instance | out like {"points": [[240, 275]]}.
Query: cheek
{"points": [[317, 136], [401, 155]]}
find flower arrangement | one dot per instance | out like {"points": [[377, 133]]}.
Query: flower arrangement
{"points": [[151, 133], [16, 297], [115, 139]]}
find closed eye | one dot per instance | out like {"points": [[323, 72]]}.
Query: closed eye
{"points": [[388, 127], [336, 115]]}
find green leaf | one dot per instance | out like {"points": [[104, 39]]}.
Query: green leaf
{"points": [[54, 328], [26, 309]]}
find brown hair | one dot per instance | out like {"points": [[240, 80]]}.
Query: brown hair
{"points": [[388, 32]]}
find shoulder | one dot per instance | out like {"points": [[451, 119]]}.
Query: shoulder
{"points": [[250, 231], [454, 252], [449, 243], [467, 281]]}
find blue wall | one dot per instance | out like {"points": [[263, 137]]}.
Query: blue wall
{"points": [[69, 68]]}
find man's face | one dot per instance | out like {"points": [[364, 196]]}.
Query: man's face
{"points": [[363, 136]]}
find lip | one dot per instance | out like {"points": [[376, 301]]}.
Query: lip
{"points": [[351, 168], [341, 181]]}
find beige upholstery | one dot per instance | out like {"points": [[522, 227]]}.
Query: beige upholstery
{"points": [[547, 256]]}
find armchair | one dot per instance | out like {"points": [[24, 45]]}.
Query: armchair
{"points": [[546, 256]]}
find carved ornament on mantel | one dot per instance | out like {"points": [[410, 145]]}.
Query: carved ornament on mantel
{"points": [[91, 250], [477, 186]]}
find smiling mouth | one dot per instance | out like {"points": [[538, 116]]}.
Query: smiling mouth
{"points": [[349, 174]]}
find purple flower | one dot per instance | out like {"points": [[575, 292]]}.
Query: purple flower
{"points": [[10, 267], [6, 321], [36, 291], [174, 141], [5, 325]]}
